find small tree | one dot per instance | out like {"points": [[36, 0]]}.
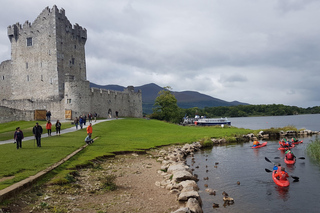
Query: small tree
{"points": [[165, 106]]}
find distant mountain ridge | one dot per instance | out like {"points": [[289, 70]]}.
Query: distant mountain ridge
{"points": [[185, 99]]}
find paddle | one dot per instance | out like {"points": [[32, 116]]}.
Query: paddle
{"points": [[302, 158]]}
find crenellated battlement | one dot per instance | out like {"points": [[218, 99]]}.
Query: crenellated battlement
{"points": [[53, 16]]}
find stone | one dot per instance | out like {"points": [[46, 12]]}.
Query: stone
{"points": [[194, 206]]}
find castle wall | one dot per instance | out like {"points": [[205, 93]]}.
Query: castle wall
{"points": [[9, 114], [5, 80]]}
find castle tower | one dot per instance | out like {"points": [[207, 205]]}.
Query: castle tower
{"points": [[43, 53]]}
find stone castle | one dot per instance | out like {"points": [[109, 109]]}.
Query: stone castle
{"points": [[47, 71]]}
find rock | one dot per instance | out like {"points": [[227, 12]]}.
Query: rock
{"points": [[184, 196], [177, 167], [183, 210], [194, 206], [189, 185], [179, 176]]}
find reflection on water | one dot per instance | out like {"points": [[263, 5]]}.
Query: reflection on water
{"points": [[283, 192]]}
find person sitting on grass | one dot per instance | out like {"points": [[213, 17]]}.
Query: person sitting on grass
{"points": [[88, 139]]}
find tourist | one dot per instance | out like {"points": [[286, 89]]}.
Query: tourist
{"points": [[89, 129], [48, 115], [95, 115], [84, 117], [58, 127], [37, 131], [117, 113], [90, 117], [289, 155], [18, 136], [256, 143], [88, 139], [81, 122], [282, 175], [48, 127], [76, 122]]}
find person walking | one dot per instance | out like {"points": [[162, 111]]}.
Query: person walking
{"points": [[117, 113], [37, 131], [76, 122], [95, 115], [90, 117], [58, 127], [48, 115], [48, 127], [18, 136], [89, 129], [81, 122]]}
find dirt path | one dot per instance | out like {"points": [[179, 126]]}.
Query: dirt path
{"points": [[136, 190]]}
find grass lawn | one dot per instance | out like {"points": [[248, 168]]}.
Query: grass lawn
{"points": [[129, 134]]}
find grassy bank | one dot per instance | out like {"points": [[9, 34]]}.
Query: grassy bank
{"points": [[112, 136], [313, 149]]}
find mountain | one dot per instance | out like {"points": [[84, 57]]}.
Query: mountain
{"points": [[185, 99]]}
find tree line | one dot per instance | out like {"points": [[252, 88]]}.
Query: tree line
{"points": [[166, 108]]}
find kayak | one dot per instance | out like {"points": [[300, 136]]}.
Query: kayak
{"points": [[285, 148], [297, 142], [290, 162], [282, 183], [260, 145]]}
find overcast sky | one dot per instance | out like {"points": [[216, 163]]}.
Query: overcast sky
{"points": [[252, 51]]}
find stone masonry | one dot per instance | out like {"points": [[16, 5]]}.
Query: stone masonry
{"points": [[47, 71]]}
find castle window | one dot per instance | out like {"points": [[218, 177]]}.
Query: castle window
{"points": [[26, 65], [75, 46], [28, 79], [68, 101], [72, 61], [41, 77], [3, 77], [29, 42], [51, 81]]}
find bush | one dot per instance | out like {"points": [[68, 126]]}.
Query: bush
{"points": [[313, 149], [108, 183], [206, 142]]}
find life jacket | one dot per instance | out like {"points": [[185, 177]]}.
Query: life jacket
{"points": [[289, 156], [284, 175], [256, 143]]}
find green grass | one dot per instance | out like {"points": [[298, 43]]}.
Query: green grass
{"points": [[7, 129], [313, 149], [113, 136]]}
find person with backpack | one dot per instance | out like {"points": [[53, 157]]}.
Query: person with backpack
{"points": [[18, 136], [37, 132], [58, 127]]}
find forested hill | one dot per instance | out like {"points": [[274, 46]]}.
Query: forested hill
{"points": [[252, 110], [185, 99]]}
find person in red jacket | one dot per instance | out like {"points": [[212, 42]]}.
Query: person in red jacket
{"points": [[290, 155], [48, 127], [89, 130]]}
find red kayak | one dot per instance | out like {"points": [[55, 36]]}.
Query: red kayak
{"points": [[290, 162], [260, 145], [297, 142], [285, 148], [282, 183]]}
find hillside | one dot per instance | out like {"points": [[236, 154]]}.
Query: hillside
{"points": [[185, 99]]}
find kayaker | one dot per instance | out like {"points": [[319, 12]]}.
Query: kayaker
{"points": [[276, 167], [256, 143], [294, 140], [282, 175], [289, 155]]}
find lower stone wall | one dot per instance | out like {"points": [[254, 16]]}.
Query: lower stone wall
{"points": [[8, 114]]}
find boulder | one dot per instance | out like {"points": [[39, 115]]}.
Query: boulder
{"points": [[194, 206], [179, 176]]}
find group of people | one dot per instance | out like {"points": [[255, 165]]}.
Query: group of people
{"points": [[57, 125], [82, 120], [285, 143]]}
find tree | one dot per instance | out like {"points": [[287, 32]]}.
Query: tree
{"points": [[166, 107]]}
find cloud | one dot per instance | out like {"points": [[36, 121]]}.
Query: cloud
{"points": [[258, 52]]}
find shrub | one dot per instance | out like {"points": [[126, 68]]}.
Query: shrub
{"points": [[313, 149], [206, 142], [108, 183]]}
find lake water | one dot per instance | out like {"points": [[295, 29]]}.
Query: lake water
{"points": [[257, 192]]}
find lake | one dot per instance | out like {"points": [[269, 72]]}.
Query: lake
{"points": [[257, 192]]}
